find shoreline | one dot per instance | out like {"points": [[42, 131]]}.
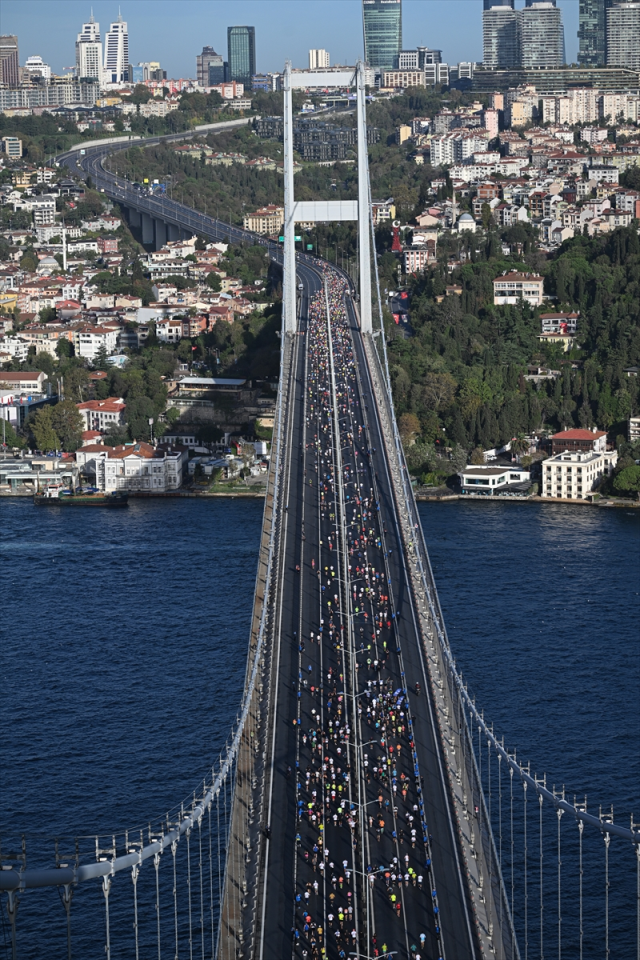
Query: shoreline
{"points": [[447, 498]]}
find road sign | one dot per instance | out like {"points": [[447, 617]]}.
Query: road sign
{"points": [[309, 246], [297, 238]]}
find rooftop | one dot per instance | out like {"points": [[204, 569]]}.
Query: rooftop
{"points": [[579, 435]]}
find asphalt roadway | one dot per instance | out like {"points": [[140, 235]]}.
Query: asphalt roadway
{"points": [[334, 821]]}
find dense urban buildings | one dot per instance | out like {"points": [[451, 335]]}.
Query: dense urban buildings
{"points": [[241, 56], [209, 68], [623, 35], [116, 52], [319, 59], [9, 63], [382, 20], [89, 51]]}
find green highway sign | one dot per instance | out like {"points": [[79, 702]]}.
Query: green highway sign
{"points": [[309, 246], [297, 238]]}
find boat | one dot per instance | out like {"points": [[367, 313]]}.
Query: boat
{"points": [[56, 495]]}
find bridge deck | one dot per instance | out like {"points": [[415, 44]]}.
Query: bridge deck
{"points": [[324, 729]]}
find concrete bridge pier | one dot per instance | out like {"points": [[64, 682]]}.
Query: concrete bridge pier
{"points": [[160, 233], [147, 229], [135, 218], [173, 233]]}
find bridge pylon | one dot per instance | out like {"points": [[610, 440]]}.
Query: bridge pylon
{"points": [[317, 211]]}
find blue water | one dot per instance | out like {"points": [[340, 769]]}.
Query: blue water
{"points": [[124, 645]]}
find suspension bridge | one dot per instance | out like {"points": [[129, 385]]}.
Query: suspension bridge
{"points": [[362, 805]]}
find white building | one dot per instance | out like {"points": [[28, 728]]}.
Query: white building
{"points": [[116, 52], [89, 51], [319, 59], [102, 414], [489, 481], [134, 467], [573, 476], [87, 340], [36, 67], [24, 383], [541, 35]]}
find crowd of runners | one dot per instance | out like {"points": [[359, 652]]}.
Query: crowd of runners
{"points": [[363, 863]]}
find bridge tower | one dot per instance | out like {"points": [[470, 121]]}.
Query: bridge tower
{"points": [[326, 210]]}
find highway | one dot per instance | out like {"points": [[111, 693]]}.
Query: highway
{"points": [[361, 854]]}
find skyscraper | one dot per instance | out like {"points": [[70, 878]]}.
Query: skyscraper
{"points": [[319, 59], [89, 51], [623, 35], [382, 21], [116, 52], [541, 35], [487, 4], [209, 68], [500, 38], [241, 54], [592, 33], [9, 63]]}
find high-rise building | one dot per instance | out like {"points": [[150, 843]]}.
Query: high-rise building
{"points": [[500, 38], [623, 35], [209, 68], [382, 21], [487, 4], [417, 59], [241, 57], [9, 62], [36, 67], [592, 33], [319, 59], [116, 52], [89, 51], [541, 35]]}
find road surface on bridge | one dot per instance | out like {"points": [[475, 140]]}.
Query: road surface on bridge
{"points": [[361, 854]]}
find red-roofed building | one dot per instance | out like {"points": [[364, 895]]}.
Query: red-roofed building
{"points": [[512, 287], [90, 437], [137, 467], [579, 441], [102, 414]]}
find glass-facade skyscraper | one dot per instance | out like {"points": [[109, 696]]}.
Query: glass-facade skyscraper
{"points": [[487, 4], [241, 54], [382, 20], [592, 33]]}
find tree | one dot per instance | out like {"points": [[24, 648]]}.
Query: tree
{"points": [[440, 389], [29, 262], [519, 445], [409, 427], [64, 347], [43, 432], [477, 456], [11, 438], [213, 282], [68, 423], [100, 359], [628, 480]]}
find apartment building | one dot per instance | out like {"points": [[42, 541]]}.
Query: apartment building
{"points": [[513, 287], [267, 220], [574, 476], [102, 414]]}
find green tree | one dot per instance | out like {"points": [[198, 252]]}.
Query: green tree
{"points": [[43, 431], [213, 281], [64, 348], [68, 423], [100, 359], [11, 438], [29, 262], [628, 481]]}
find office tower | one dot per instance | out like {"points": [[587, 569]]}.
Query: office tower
{"points": [[209, 68], [541, 35], [623, 35], [89, 51], [592, 33], [241, 47], [10, 72], [116, 52], [36, 67], [487, 4], [417, 59], [382, 21], [319, 59], [530, 3], [500, 38]]}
